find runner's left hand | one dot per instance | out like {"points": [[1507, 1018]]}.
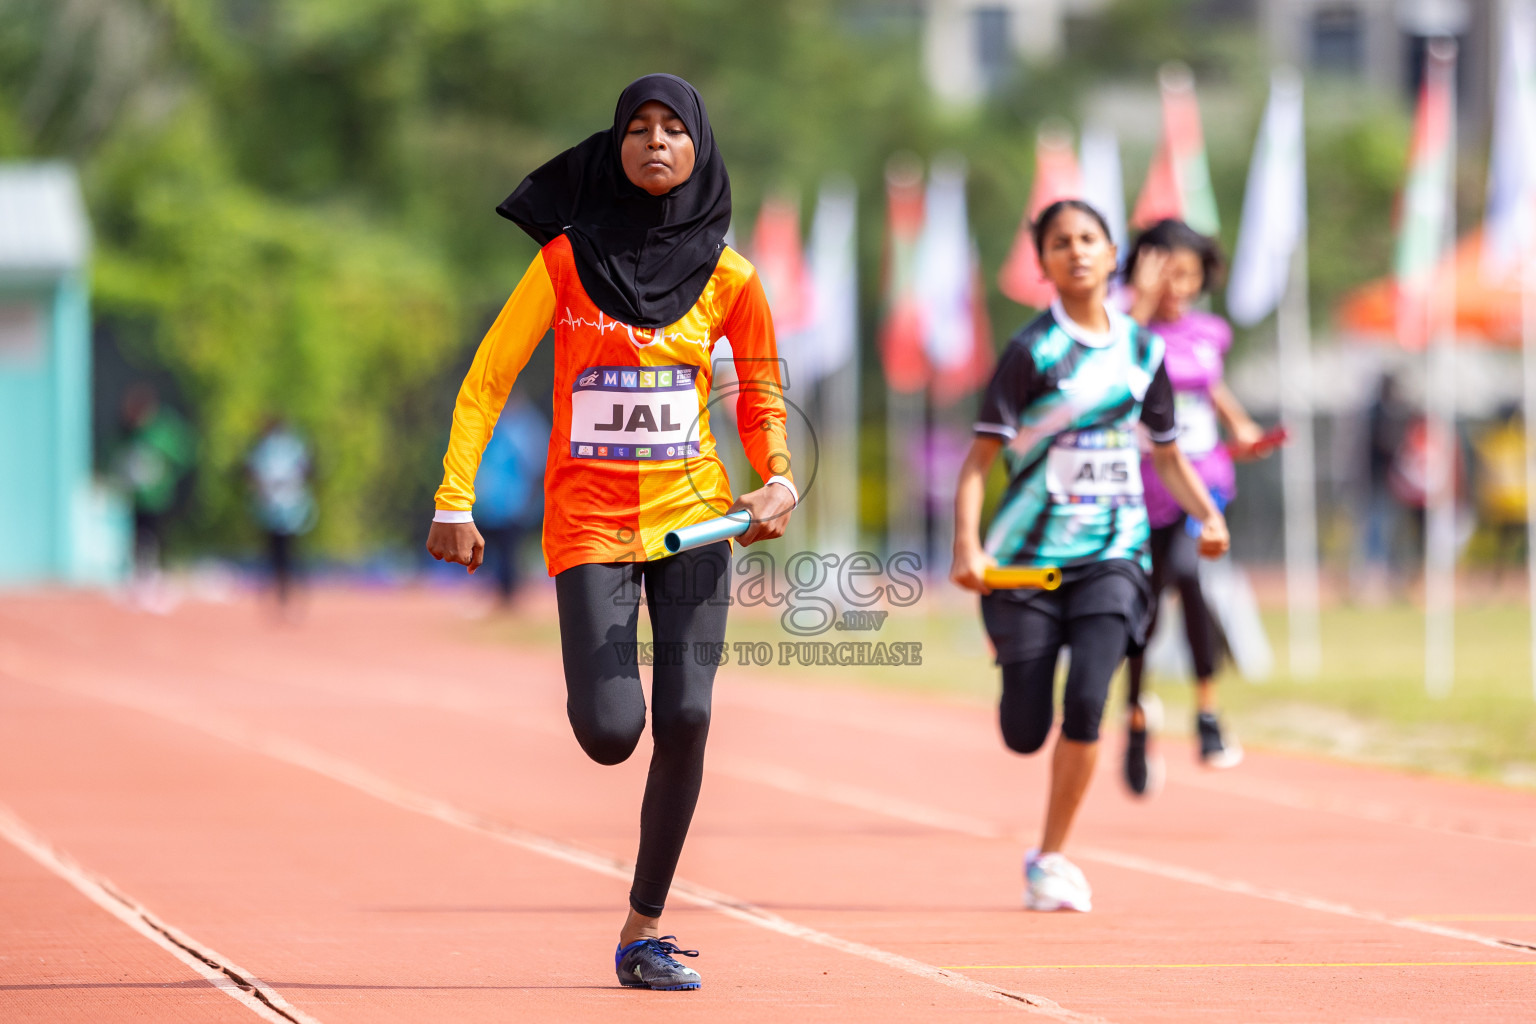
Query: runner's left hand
{"points": [[1150, 283], [1152, 272], [1213, 537], [770, 506]]}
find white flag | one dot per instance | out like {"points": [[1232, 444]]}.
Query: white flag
{"points": [[1103, 183], [1274, 207], [1512, 162], [834, 283], [944, 268]]}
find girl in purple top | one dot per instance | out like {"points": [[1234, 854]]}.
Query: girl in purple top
{"points": [[1170, 266]]}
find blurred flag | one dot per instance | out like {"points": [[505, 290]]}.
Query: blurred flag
{"points": [[1423, 231], [781, 267], [901, 335], [944, 267], [1178, 183], [1426, 312], [1056, 177], [949, 285], [1274, 206], [1508, 231], [966, 375], [1512, 163], [834, 285], [1270, 244], [833, 360], [1103, 183], [780, 264]]}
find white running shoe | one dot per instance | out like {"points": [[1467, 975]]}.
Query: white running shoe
{"points": [[1051, 882]]}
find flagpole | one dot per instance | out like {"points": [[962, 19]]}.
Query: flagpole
{"points": [[1269, 274], [901, 518], [1511, 210], [835, 277], [900, 334], [1298, 459], [839, 505], [1528, 361], [1517, 21], [1440, 416]]}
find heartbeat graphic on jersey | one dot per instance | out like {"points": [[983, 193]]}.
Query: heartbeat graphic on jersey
{"points": [[648, 335]]}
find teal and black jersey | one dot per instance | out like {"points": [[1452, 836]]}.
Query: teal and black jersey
{"points": [[1067, 402]]}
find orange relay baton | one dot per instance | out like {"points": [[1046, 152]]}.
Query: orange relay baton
{"points": [[1022, 577]]}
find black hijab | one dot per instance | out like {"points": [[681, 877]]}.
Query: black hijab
{"points": [[643, 259]]}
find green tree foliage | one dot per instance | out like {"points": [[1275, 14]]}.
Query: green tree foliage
{"points": [[261, 307], [257, 301]]}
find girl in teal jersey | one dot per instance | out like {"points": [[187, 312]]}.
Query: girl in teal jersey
{"points": [[1063, 409]]}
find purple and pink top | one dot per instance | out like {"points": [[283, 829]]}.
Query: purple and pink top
{"points": [[1196, 346]]}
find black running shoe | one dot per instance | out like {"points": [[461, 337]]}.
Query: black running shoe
{"points": [[648, 963], [1217, 748], [1136, 761], [1143, 767]]}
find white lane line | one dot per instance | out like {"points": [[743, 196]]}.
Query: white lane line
{"points": [[234, 981], [406, 690], [874, 802], [349, 773], [790, 781], [1152, 867], [760, 697], [1380, 812]]}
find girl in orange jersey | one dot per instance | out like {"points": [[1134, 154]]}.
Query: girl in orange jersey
{"points": [[636, 280]]}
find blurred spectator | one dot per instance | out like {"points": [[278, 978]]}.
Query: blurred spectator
{"points": [[153, 460], [1408, 480], [1500, 454], [509, 490], [1386, 426], [278, 468]]}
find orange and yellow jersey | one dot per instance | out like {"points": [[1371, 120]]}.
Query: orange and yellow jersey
{"points": [[631, 455]]}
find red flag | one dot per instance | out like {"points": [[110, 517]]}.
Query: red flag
{"points": [[1056, 177], [961, 380], [1179, 181], [1424, 210], [1159, 199], [901, 335], [780, 264]]}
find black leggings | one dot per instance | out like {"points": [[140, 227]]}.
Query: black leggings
{"points": [[280, 555], [1026, 712], [687, 595], [1176, 560]]}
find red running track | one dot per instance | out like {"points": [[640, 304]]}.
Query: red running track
{"points": [[374, 817]]}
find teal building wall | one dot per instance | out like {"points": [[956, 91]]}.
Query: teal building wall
{"points": [[57, 523]]}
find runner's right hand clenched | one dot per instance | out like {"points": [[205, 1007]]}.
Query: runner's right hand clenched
{"points": [[457, 542], [969, 567]]}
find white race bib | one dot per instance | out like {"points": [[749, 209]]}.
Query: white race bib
{"points": [[1094, 467], [635, 413], [1196, 417]]}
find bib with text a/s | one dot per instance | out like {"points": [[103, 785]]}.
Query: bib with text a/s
{"points": [[1094, 467], [635, 413]]}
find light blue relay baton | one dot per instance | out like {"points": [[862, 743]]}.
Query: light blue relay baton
{"points": [[699, 534]]}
